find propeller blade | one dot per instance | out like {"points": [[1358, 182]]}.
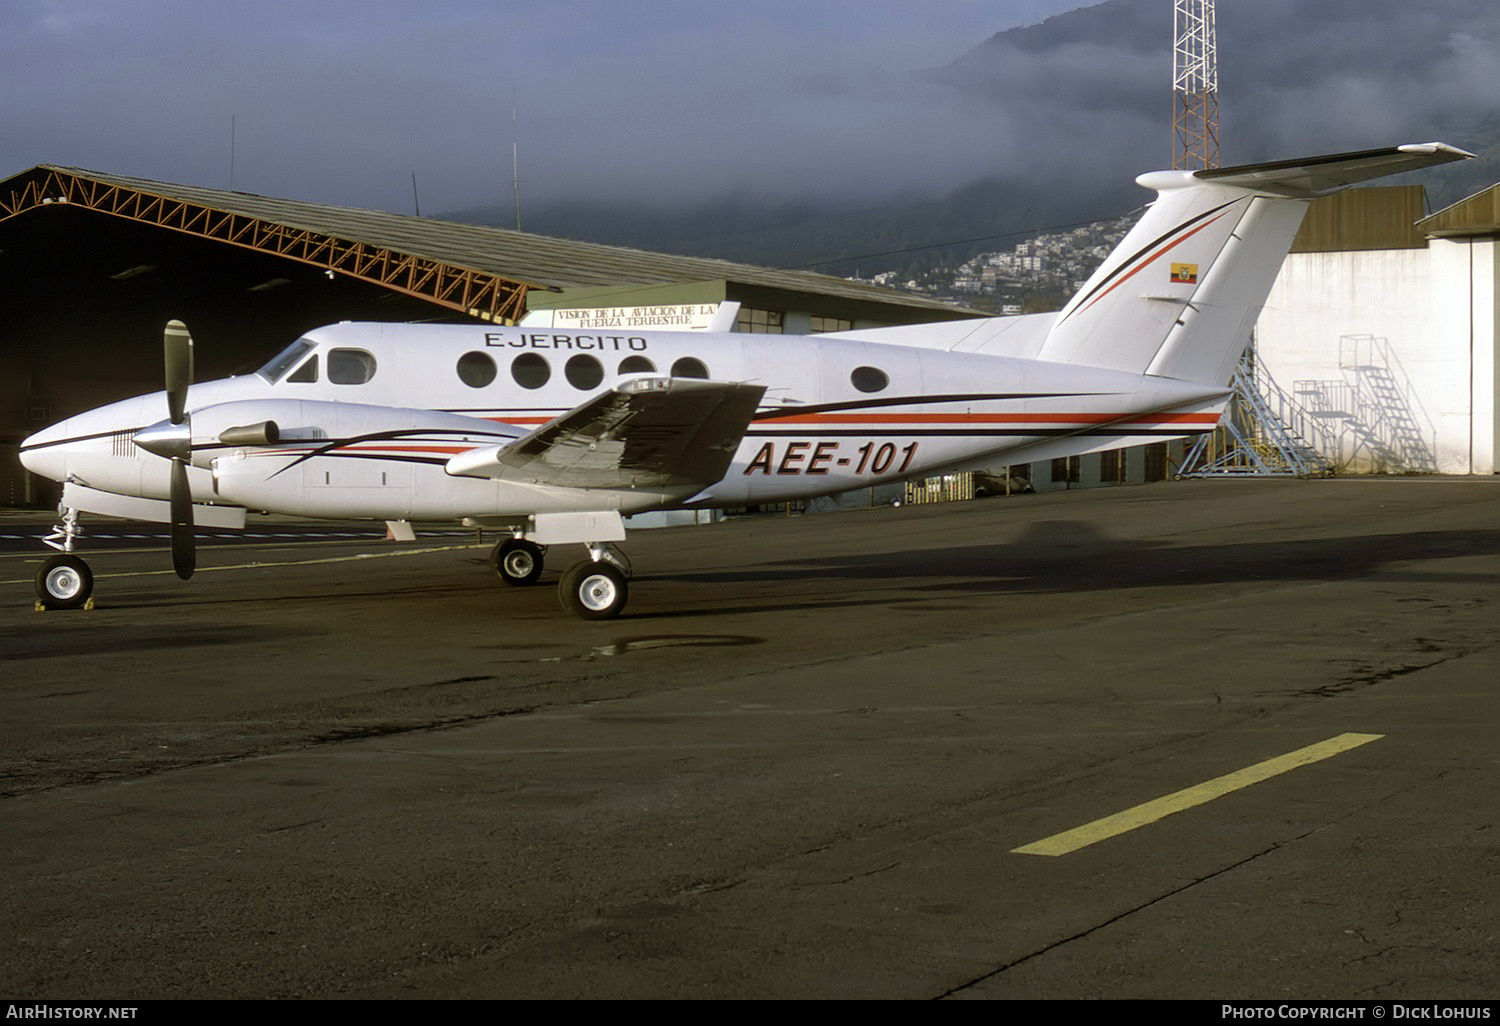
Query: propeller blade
{"points": [[177, 353], [184, 556]]}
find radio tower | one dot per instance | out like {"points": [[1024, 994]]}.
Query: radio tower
{"points": [[1252, 437], [1195, 86]]}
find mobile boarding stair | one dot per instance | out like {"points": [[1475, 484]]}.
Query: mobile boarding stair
{"points": [[1264, 433]]}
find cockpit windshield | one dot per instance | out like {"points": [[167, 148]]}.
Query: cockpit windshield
{"points": [[285, 360]]}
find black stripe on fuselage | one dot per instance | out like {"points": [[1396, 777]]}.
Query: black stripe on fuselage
{"points": [[436, 461], [78, 438], [415, 434], [915, 400]]}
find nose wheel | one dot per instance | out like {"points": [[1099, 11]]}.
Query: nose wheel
{"points": [[64, 582]]}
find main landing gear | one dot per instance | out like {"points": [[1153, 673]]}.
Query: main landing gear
{"points": [[597, 588], [594, 589], [64, 581], [518, 561]]}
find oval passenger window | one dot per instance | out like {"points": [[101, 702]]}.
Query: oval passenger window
{"points": [[476, 369], [530, 370], [350, 366], [637, 365], [584, 372], [869, 379], [689, 367]]}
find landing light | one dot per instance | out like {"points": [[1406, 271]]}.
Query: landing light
{"points": [[633, 385]]}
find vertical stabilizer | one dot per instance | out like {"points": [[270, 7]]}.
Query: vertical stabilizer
{"points": [[1178, 297]]}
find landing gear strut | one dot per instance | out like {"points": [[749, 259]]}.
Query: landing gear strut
{"points": [[65, 581]]}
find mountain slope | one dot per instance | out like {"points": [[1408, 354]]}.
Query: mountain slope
{"points": [[1072, 109]]}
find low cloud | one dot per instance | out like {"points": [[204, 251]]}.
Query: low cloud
{"points": [[839, 103]]}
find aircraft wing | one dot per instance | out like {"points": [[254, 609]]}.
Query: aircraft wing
{"points": [[644, 433]]}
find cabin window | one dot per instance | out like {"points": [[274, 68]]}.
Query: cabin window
{"points": [[286, 360], [584, 372], [350, 366], [476, 369], [307, 373], [689, 367], [637, 365], [530, 370], [869, 379]]}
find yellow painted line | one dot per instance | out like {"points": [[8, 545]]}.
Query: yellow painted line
{"points": [[1121, 822], [276, 563]]}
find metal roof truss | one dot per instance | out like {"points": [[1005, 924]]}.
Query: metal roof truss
{"points": [[477, 293]]}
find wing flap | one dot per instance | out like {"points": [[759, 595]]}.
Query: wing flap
{"points": [[645, 433]]}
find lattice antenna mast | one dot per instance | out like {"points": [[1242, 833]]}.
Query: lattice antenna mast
{"points": [[1195, 86]]}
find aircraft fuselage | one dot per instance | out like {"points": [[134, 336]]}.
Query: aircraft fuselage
{"points": [[370, 414]]}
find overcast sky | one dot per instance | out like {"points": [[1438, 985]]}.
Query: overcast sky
{"points": [[670, 102], [340, 101]]}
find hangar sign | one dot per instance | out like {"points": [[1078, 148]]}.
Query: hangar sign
{"points": [[684, 317]]}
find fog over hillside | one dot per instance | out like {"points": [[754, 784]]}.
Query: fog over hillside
{"points": [[1050, 124]]}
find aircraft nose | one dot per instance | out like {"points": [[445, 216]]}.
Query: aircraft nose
{"points": [[43, 455]]}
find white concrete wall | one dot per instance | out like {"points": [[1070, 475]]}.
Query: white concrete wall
{"points": [[1492, 356], [1435, 310]]}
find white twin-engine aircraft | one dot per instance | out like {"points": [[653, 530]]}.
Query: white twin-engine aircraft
{"points": [[553, 435]]}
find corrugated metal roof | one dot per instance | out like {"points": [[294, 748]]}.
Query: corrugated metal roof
{"points": [[536, 259], [1477, 215], [1356, 219]]}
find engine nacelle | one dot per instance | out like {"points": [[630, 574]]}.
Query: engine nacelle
{"points": [[342, 460]]}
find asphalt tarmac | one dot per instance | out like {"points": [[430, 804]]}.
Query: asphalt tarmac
{"points": [[801, 765]]}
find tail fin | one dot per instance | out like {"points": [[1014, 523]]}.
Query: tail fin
{"points": [[1179, 295]]}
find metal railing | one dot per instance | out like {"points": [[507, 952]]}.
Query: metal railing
{"points": [[1264, 432]]}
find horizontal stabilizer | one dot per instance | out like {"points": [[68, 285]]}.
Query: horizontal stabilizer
{"points": [[1317, 176], [645, 433]]}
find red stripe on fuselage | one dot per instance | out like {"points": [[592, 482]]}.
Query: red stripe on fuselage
{"points": [[993, 418]]}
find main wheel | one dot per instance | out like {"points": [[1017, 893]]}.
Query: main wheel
{"points": [[593, 591], [517, 561], [64, 582]]}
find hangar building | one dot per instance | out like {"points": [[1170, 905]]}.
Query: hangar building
{"points": [[93, 265], [1382, 328]]}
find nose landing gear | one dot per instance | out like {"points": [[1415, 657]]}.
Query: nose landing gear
{"points": [[65, 581]]}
